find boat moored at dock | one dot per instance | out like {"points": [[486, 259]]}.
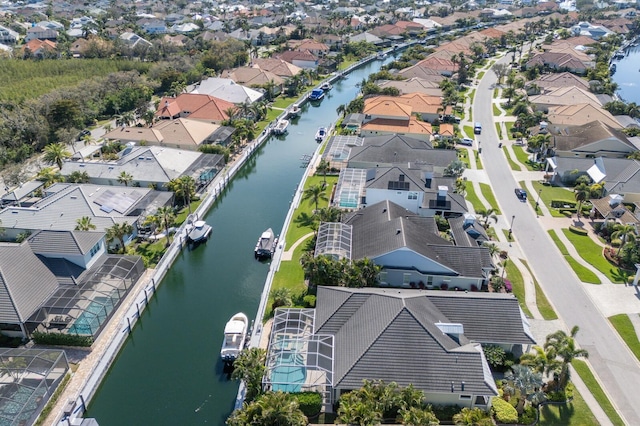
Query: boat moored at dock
{"points": [[281, 127], [266, 245], [199, 232], [326, 86], [235, 335], [294, 111], [321, 134], [316, 95]]}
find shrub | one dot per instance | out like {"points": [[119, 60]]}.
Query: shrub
{"points": [[446, 412], [309, 301], [444, 286], [310, 403], [496, 356], [503, 411], [61, 339], [579, 231], [616, 242], [12, 342], [528, 416]]}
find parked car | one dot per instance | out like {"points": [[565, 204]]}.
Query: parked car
{"points": [[84, 133], [521, 194], [466, 141]]}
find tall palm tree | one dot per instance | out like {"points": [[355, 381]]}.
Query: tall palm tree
{"points": [[541, 361], [626, 233], [166, 218], [84, 224], [125, 178], [250, 367], [581, 193], [487, 214], [270, 409], [118, 231], [56, 153], [323, 167], [281, 297], [315, 194], [78, 177], [49, 176], [563, 346]]}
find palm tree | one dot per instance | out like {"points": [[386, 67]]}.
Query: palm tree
{"points": [[487, 214], [315, 194], [581, 193], [185, 189], [281, 297], [323, 167], [78, 177], [49, 176], [250, 367], [472, 417], [626, 233], [541, 361], [563, 346], [493, 248], [84, 224], [416, 416], [166, 217], [306, 220], [56, 153], [117, 232], [528, 383], [461, 186], [270, 409], [125, 178]]}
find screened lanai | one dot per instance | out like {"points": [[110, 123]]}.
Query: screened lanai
{"points": [[298, 360], [28, 378], [334, 239], [339, 149], [350, 188], [83, 308]]}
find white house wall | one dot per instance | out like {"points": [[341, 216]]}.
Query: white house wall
{"points": [[405, 258], [376, 195]]}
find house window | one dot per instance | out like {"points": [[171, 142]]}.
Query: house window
{"points": [[382, 277], [95, 249], [406, 279], [465, 397], [413, 196], [429, 280]]}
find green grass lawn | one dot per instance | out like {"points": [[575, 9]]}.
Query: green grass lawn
{"points": [[289, 275], [472, 197], [545, 308], [509, 125], [496, 92], [463, 155], [550, 193], [592, 253], [488, 195], [625, 329], [182, 214], [272, 114], [499, 130], [517, 283], [151, 252], [295, 232], [478, 160], [480, 75], [284, 102], [522, 156], [584, 274], [574, 413], [506, 235], [468, 130], [496, 111], [583, 370], [512, 164]]}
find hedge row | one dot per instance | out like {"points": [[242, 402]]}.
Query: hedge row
{"points": [[310, 403], [579, 231], [61, 339]]}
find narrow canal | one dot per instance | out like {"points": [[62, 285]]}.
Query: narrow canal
{"points": [[169, 371], [627, 75]]}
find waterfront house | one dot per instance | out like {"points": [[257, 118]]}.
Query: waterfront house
{"points": [[595, 32], [228, 90], [195, 107], [276, 66], [302, 59], [548, 82], [563, 96], [579, 114], [254, 77], [413, 85]]}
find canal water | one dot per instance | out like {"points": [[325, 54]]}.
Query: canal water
{"points": [[627, 75], [169, 371]]}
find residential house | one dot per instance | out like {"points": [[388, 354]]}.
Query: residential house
{"points": [[413, 85], [612, 207], [254, 77], [22, 196], [396, 149], [547, 82], [467, 231], [317, 49], [276, 66], [428, 108], [228, 90], [595, 32], [41, 33], [580, 114], [153, 26], [195, 107], [444, 66], [570, 95], [150, 166], [39, 48], [301, 59], [390, 126], [388, 31], [410, 27], [423, 72], [368, 38], [7, 35], [569, 60], [134, 40], [185, 28], [408, 248]]}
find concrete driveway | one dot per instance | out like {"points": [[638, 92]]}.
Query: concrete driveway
{"points": [[616, 367]]}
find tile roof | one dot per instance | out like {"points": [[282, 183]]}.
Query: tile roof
{"points": [[577, 138], [578, 114], [411, 126], [400, 149], [194, 106], [228, 90], [565, 96], [413, 85], [25, 282], [277, 66], [64, 242], [563, 79], [422, 71], [373, 326], [252, 76]]}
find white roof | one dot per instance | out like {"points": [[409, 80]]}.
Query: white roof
{"points": [[227, 89], [596, 174]]}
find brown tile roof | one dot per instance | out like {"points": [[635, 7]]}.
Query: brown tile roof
{"points": [[578, 114], [386, 106], [439, 64], [423, 72], [563, 79], [291, 55], [446, 130], [412, 126], [277, 66], [252, 76], [37, 44], [198, 106]]}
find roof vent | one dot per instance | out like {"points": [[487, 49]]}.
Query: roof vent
{"points": [[398, 231]]}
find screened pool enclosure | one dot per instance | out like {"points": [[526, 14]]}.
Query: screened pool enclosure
{"points": [[28, 378], [83, 308], [298, 360]]}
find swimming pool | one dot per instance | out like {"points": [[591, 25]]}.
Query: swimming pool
{"points": [[290, 373], [89, 321]]}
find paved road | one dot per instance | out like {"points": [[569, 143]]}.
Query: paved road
{"points": [[614, 364]]}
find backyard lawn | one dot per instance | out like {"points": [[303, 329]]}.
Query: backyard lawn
{"points": [[295, 232], [584, 274], [592, 253], [625, 329], [284, 102], [289, 275]]}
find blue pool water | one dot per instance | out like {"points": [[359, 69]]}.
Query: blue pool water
{"points": [[90, 320], [290, 374]]}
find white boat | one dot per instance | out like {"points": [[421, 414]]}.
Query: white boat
{"points": [[199, 232], [235, 334], [294, 111], [321, 134], [381, 55], [281, 127], [266, 245], [326, 86]]}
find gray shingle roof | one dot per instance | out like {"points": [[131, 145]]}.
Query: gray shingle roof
{"points": [[25, 282], [64, 242], [469, 233], [391, 335], [399, 149]]}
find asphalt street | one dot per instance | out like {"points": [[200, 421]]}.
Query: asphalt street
{"points": [[615, 365]]}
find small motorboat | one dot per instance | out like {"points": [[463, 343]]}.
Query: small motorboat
{"points": [[235, 335], [294, 111], [281, 127], [316, 95], [199, 232], [326, 86], [381, 56], [266, 245], [321, 134]]}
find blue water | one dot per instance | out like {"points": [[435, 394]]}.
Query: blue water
{"points": [[627, 75], [90, 320]]}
